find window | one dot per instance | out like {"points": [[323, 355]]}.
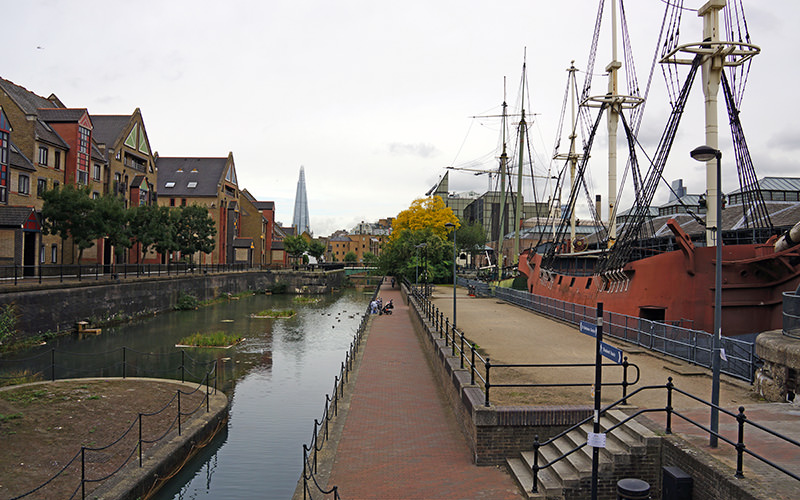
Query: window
{"points": [[56, 184], [172, 202], [83, 155], [41, 254], [54, 253], [96, 172], [192, 185], [41, 187], [57, 161], [43, 156], [24, 184], [83, 177], [169, 184], [183, 202]]}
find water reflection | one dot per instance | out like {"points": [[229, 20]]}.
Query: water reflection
{"points": [[277, 380]]}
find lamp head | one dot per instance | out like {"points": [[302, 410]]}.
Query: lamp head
{"points": [[705, 153]]}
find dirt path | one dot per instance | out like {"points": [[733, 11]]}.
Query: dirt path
{"points": [[512, 335], [44, 425]]}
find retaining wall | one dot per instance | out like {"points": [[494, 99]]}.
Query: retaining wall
{"points": [[57, 307]]}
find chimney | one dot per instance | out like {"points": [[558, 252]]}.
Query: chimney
{"points": [[598, 205]]}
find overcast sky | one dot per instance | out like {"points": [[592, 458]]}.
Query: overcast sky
{"points": [[373, 98]]}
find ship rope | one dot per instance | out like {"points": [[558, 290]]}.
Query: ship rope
{"points": [[755, 213], [550, 254], [620, 253]]}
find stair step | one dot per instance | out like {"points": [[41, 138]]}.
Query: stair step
{"points": [[645, 435], [548, 487], [562, 469], [580, 460]]}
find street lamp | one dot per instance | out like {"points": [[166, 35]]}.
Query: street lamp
{"points": [[706, 154], [421, 245], [452, 226]]}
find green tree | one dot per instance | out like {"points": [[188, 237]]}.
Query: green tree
{"points": [[295, 246], [67, 213], [350, 257], [194, 231], [370, 259], [417, 253], [151, 226], [109, 219], [316, 249], [471, 238]]}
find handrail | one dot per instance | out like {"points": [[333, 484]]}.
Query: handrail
{"points": [[440, 323], [321, 429]]}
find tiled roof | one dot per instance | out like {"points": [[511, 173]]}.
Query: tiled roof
{"points": [[45, 133], [108, 128], [25, 99], [14, 216], [19, 160], [61, 114], [775, 184], [242, 242], [190, 177]]}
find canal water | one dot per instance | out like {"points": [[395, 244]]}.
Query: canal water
{"points": [[276, 380]]}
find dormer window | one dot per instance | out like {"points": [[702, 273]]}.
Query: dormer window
{"points": [[192, 185], [169, 184]]}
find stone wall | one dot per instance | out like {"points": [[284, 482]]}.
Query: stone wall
{"points": [[493, 433], [57, 308], [777, 379]]}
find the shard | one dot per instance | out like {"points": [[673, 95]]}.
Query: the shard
{"points": [[300, 220]]}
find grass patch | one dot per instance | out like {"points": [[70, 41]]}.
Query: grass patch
{"points": [[275, 313], [213, 339], [11, 416], [25, 396], [302, 299]]}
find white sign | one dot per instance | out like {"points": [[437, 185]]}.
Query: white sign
{"points": [[596, 440]]}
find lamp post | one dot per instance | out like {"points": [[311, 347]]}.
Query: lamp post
{"points": [[452, 226], [706, 154], [421, 245]]}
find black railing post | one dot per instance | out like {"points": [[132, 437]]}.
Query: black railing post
{"points": [[305, 474], [140, 440], [124, 362], [472, 366], [446, 328], [40, 273], [453, 342], [488, 367], [83, 472], [15, 275], [208, 395], [61, 273], [740, 418], [625, 380], [535, 468], [668, 430], [316, 427], [183, 366], [461, 354], [179, 412]]}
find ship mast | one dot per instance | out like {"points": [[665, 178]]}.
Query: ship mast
{"points": [[523, 127], [717, 54], [502, 216], [572, 156]]}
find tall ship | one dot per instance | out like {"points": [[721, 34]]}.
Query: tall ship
{"points": [[664, 268]]}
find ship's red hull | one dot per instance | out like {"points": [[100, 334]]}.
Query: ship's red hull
{"points": [[678, 287]]}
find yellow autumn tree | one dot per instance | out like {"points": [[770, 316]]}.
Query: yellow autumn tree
{"points": [[425, 213]]}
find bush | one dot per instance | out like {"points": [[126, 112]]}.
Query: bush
{"points": [[186, 302], [278, 288], [8, 323], [213, 339]]}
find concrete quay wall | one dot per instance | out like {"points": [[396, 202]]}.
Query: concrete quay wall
{"points": [[57, 307]]}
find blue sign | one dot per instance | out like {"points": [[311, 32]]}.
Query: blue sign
{"points": [[588, 328], [611, 352]]}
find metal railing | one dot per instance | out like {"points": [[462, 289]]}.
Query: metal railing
{"points": [[122, 362], [136, 443], [457, 341], [669, 387], [694, 346], [69, 272], [791, 313], [311, 485], [471, 358]]}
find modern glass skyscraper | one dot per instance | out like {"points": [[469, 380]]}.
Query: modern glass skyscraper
{"points": [[300, 220]]}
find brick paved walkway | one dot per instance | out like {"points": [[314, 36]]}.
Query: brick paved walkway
{"points": [[400, 440]]}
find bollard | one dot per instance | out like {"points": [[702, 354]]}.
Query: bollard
{"points": [[632, 489]]}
